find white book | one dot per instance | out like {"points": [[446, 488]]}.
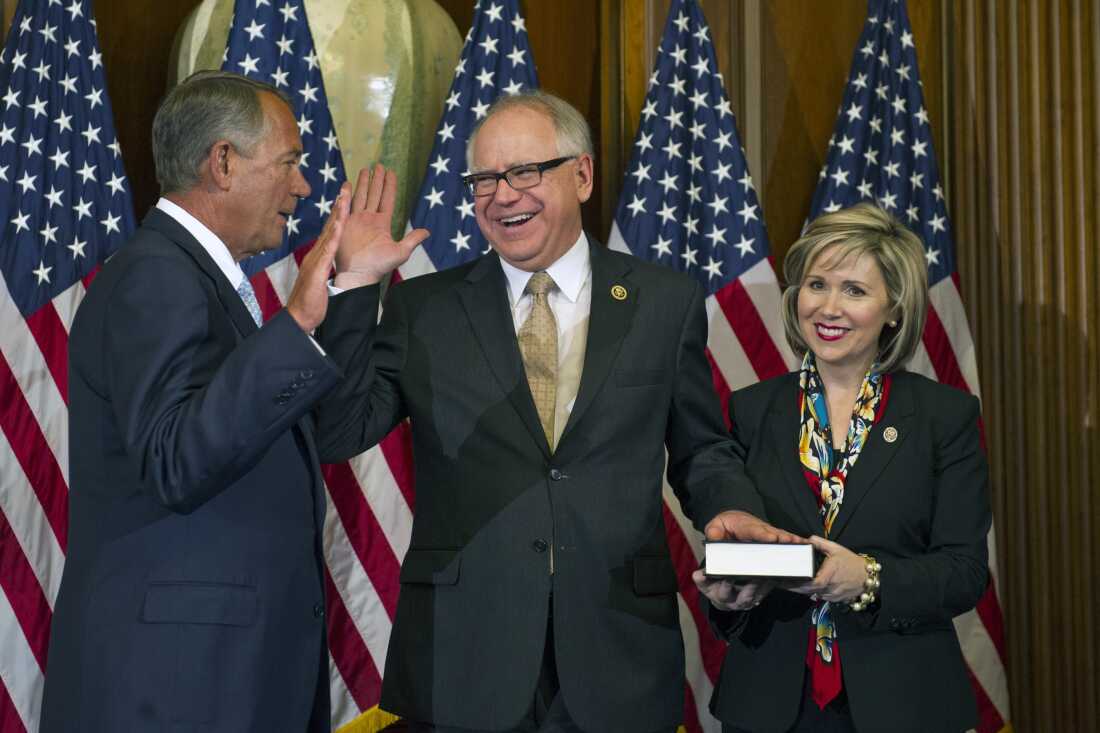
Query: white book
{"points": [[759, 560]]}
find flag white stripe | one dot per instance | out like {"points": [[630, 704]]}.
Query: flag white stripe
{"points": [[32, 374], [19, 670], [67, 302], [983, 659], [343, 707], [418, 263], [282, 275], [29, 524], [385, 499], [356, 590], [949, 307], [921, 363], [726, 349], [760, 283]]}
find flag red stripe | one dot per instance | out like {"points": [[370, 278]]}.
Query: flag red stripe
{"points": [[691, 713], [750, 330], [53, 341], [10, 722], [941, 353], [25, 595], [35, 457], [397, 449], [989, 611], [989, 720], [349, 653], [87, 280], [721, 388], [711, 649], [265, 294], [364, 533]]}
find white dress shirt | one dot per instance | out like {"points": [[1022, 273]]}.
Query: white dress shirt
{"points": [[571, 303], [210, 241]]}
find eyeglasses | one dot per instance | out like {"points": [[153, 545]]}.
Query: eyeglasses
{"points": [[518, 177]]}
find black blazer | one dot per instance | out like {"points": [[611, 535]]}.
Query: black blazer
{"points": [[192, 595], [492, 502], [919, 505]]}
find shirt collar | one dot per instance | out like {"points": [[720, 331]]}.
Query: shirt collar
{"points": [[209, 241], [568, 271]]}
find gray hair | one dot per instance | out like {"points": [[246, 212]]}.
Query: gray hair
{"points": [[206, 107], [574, 136], [899, 254]]}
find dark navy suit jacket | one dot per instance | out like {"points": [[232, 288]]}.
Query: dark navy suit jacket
{"points": [[192, 598]]}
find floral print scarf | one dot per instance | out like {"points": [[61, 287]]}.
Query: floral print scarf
{"points": [[826, 471]]}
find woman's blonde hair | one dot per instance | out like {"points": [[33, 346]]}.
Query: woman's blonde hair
{"points": [[855, 231]]}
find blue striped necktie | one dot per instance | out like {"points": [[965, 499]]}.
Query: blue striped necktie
{"points": [[248, 295]]}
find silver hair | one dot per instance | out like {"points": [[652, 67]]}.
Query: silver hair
{"points": [[206, 107], [574, 136]]}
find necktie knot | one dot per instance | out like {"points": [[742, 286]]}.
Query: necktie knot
{"points": [[540, 284]]}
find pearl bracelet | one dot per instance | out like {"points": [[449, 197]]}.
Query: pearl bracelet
{"points": [[870, 584]]}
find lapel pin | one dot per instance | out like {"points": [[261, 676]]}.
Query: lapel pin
{"points": [[618, 292], [890, 434]]}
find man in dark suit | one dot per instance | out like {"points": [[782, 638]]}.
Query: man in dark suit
{"points": [[544, 382], [192, 597]]}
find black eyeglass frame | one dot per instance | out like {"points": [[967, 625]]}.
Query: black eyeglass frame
{"points": [[471, 180]]}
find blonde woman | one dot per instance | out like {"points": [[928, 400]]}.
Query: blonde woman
{"points": [[883, 470]]}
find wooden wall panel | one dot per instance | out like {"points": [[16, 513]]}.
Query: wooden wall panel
{"points": [[1025, 147]]}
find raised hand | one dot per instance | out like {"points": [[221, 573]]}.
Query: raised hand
{"points": [[367, 251], [308, 300]]}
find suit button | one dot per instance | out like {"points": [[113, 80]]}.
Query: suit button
{"points": [[539, 545], [318, 610], [556, 475], [306, 374]]}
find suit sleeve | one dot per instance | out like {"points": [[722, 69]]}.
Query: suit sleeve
{"points": [[950, 577], [704, 468], [367, 404], [195, 419]]}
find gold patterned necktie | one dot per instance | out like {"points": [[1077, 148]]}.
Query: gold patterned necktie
{"points": [[538, 343]]}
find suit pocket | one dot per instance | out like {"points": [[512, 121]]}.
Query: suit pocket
{"points": [[431, 567], [654, 575], [638, 377], [199, 603]]}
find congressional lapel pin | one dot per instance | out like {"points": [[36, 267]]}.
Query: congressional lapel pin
{"points": [[618, 292], [890, 434]]}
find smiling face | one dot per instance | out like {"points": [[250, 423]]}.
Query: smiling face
{"points": [[843, 305], [531, 228], [267, 184]]}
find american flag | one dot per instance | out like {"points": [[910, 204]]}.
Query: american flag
{"points": [[881, 151], [65, 206], [688, 202], [369, 498], [495, 60]]}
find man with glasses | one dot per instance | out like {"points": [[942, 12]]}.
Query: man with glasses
{"points": [[544, 382]]}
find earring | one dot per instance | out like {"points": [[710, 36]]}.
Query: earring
{"points": [[893, 324]]}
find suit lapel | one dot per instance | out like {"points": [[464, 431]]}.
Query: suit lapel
{"points": [[877, 452], [608, 322], [484, 296], [783, 425], [229, 298]]}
